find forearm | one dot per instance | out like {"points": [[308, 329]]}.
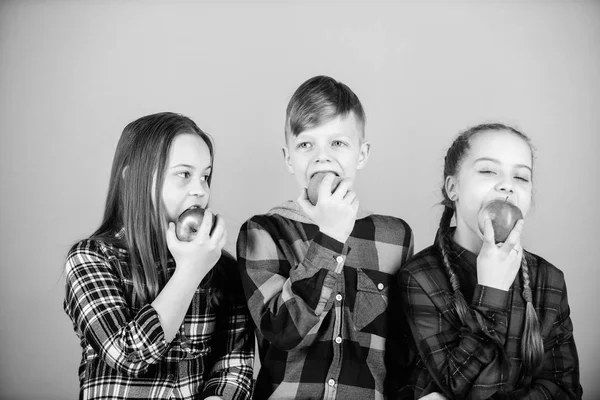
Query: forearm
{"points": [[173, 301]]}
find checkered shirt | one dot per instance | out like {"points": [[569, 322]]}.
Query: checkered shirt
{"points": [[482, 359], [328, 314], [124, 352]]}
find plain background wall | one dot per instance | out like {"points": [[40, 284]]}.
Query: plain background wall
{"points": [[74, 73]]}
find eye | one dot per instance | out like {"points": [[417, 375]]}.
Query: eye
{"points": [[338, 143], [522, 178], [304, 145], [184, 174], [487, 172], [205, 177]]}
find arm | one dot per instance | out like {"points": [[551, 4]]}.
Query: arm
{"points": [[232, 355], [456, 356], [95, 302], [287, 302], [558, 376]]}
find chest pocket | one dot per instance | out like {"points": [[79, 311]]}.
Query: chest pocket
{"points": [[371, 301], [198, 326]]}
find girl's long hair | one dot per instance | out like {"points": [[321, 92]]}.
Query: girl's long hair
{"points": [[132, 219], [532, 348]]}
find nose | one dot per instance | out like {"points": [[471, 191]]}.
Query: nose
{"points": [[505, 185], [323, 155], [199, 189]]}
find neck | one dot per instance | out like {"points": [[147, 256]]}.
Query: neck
{"points": [[464, 236]]}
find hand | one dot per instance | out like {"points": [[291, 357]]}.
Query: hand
{"points": [[335, 213], [498, 264], [434, 396], [196, 258]]}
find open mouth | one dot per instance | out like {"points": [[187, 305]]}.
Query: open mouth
{"points": [[319, 172]]}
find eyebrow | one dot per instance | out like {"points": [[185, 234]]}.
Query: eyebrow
{"points": [[498, 162], [189, 166]]}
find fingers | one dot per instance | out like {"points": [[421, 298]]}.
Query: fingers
{"points": [[219, 232], [342, 189], [206, 225], [488, 232], [303, 201], [513, 241], [350, 196], [171, 236]]}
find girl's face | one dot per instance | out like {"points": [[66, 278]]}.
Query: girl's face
{"points": [[188, 168], [498, 165]]}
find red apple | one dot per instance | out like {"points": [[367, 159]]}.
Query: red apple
{"points": [[504, 216], [189, 222], [315, 183]]}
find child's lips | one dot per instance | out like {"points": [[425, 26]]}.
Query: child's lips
{"points": [[326, 170]]}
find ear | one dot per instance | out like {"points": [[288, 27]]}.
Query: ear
{"points": [[451, 188], [287, 159], [363, 156]]}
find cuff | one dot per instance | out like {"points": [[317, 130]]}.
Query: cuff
{"points": [[325, 252], [489, 297]]}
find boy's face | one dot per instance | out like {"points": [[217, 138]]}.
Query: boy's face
{"points": [[335, 146]]}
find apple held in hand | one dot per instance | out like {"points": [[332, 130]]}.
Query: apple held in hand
{"points": [[189, 222], [504, 216], [315, 183]]}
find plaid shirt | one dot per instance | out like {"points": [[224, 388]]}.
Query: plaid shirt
{"points": [[482, 359], [125, 354], [328, 313]]}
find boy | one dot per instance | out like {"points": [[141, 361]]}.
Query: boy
{"points": [[320, 279]]}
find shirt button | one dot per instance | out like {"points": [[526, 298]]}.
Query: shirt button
{"points": [[171, 377], [338, 340], [338, 297], [339, 259], [331, 382], [380, 286]]}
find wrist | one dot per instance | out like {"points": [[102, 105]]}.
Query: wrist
{"points": [[188, 274], [340, 237]]}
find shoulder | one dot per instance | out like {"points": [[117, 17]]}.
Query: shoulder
{"points": [[390, 229], [426, 260], [544, 270], [390, 222], [426, 268], [91, 254], [263, 222]]}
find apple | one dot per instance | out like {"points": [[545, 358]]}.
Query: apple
{"points": [[315, 183], [504, 216], [189, 222]]}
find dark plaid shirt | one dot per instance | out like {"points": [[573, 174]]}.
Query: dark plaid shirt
{"points": [[125, 354], [327, 312], [482, 359]]}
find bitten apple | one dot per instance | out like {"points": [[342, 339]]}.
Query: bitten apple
{"points": [[315, 183], [189, 222], [504, 216]]}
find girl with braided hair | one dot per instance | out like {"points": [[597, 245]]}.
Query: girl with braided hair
{"points": [[489, 320]]}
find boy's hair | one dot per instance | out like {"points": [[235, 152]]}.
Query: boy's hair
{"points": [[532, 348], [132, 220], [318, 100]]}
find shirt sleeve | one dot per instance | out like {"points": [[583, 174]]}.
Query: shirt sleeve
{"points": [[456, 355], [232, 348], [95, 302], [287, 302], [558, 377]]}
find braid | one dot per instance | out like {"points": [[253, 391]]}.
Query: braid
{"points": [[452, 164], [459, 302], [532, 346]]}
